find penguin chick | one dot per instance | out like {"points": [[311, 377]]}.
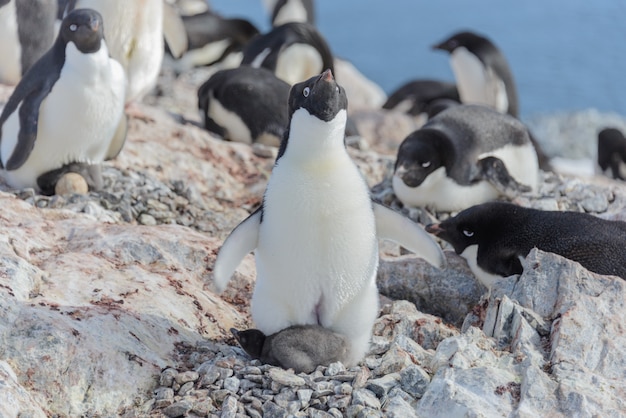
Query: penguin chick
{"points": [[299, 347], [494, 236], [39, 128], [612, 153], [482, 73]]}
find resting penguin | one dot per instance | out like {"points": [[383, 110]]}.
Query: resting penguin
{"points": [[293, 51], [465, 155], [315, 235], [482, 73], [494, 236], [285, 11], [134, 31], [299, 347], [416, 97], [245, 104], [612, 153], [68, 109], [26, 32]]}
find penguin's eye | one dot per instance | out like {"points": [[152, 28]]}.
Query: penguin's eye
{"points": [[426, 164], [468, 233], [73, 27], [306, 92], [337, 89]]}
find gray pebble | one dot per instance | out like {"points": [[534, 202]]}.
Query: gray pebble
{"points": [[167, 377], [178, 409], [271, 410], [184, 389], [343, 389], [365, 397], [232, 384], [229, 407], [339, 401], [383, 385], [414, 380], [285, 378], [164, 393], [335, 368]]}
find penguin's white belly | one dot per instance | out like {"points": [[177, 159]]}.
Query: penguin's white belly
{"points": [[442, 193], [77, 120], [317, 249], [521, 163], [297, 63], [235, 129], [10, 49]]}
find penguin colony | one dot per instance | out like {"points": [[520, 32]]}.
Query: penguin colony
{"points": [[315, 234]]}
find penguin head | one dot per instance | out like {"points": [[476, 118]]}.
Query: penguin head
{"points": [[83, 27], [476, 225], [251, 341], [611, 148], [320, 95], [418, 156], [466, 39]]}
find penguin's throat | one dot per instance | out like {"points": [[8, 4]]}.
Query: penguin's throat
{"points": [[310, 136]]}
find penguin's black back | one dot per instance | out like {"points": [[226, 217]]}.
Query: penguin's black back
{"points": [[422, 93], [611, 150], [283, 36], [508, 230]]}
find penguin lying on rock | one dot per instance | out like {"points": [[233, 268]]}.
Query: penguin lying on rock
{"points": [[67, 112], [316, 234]]}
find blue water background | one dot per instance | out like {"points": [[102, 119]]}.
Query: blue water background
{"points": [[565, 55]]}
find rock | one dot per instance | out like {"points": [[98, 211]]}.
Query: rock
{"points": [[15, 400], [71, 183], [398, 408], [414, 380], [178, 409], [285, 378]]}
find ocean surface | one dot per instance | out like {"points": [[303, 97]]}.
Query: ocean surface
{"points": [[566, 55]]}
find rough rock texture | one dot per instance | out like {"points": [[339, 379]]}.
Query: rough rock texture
{"points": [[107, 308]]}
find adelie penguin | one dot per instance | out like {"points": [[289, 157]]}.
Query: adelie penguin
{"points": [[494, 236], [68, 110], [482, 73], [465, 155], [286, 11], [245, 104], [293, 51], [612, 153], [316, 234], [299, 347], [423, 97], [26, 33]]}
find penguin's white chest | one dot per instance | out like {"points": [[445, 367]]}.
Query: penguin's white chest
{"points": [[317, 247], [10, 49], [77, 120]]}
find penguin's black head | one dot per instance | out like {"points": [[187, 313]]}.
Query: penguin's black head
{"points": [[84, 28], [611, 148], [476, 224], [321, 96], [251, 341], [469, 40], [418, 157]]}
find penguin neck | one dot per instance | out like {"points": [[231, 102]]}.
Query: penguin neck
{"points": [[311, 138]]}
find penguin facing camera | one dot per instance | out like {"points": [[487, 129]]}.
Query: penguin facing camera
{"points": [[482, 73], [612, 153], [245, 104], [315, 234], [299, 347], [67, 112], [494, 236], [465, 155], [293, 51]]}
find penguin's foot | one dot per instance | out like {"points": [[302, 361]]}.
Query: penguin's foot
{"points": [[495, 172]]}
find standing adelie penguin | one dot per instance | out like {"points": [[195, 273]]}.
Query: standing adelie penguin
{"points": [[612, 153], [26, 33], [299, 347], [67, 110], [293, 51], [245, 104], [465, 155], [482, 73], [316, 232], [494, 236]]}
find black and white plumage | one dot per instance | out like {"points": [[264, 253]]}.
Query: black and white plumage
{"points": [[299, 347], [286, 11], [315, 235], [465, 155], [612, 153], [67, 110], [245, 104], [418, 96], [493, 237], [26, 32], [482, 73], [293, 51]]}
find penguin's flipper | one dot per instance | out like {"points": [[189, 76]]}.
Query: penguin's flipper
{"points": [[174, 31], [241, 241], [119, 139], [395, 227], [493, 170]]}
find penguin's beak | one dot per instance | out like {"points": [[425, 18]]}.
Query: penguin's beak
{"points": [[434, 229], [235, 333], [327, 76]]}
